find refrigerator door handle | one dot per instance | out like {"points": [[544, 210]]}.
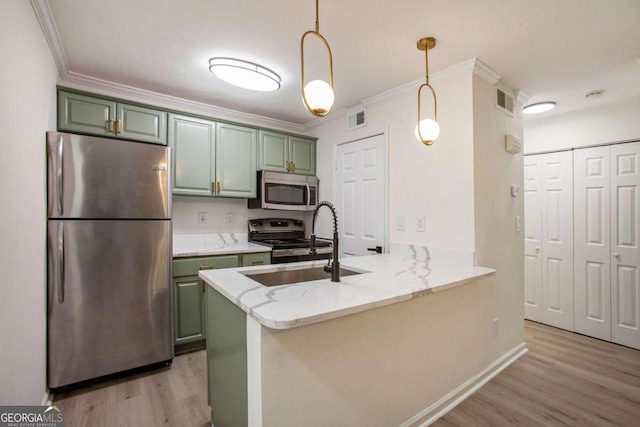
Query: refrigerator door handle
{"points": [[61, 262], [60, 174]]}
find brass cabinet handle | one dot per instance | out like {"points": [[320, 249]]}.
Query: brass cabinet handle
{"points": [[258, 262], [202, 281], [119, 122], [206, 267], [288, 166], [110, 125], [293, 167], [213, 187], [219, 187]]}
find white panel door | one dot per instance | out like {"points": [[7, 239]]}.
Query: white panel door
{"points": [[625, 257], [557, 240], [360, 195], [592, 244], [533, 238]]}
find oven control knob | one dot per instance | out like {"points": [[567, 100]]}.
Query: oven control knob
{"points": [[298, 223]]}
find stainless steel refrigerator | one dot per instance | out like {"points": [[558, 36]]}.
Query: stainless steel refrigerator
{"points": [[109, 257]]}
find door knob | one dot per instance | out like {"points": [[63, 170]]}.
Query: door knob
{"points": [[537, 248], [377, 249], [616, 254]]}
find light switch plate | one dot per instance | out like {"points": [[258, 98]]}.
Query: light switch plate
{"points": [[421, 223], [400, 223]]}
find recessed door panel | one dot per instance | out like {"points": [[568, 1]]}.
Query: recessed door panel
{"points": [[592, 286], [557, 239], [625, 254], [360, 195], [533, 238]]}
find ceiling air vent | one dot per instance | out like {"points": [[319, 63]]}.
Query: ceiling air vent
{"points": [[504, 101], [356, 117]]}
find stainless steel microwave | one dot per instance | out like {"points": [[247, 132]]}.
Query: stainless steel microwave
{"points": [[285, 191]]}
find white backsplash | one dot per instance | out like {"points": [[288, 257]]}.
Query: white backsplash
{"points": [[186, 209]]}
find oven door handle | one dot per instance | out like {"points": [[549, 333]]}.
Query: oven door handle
{"points": [[308, 195]]}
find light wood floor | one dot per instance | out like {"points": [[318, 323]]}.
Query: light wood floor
{"points": [[564, 380]]}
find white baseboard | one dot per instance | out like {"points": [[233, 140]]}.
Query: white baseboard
{"points": [[451, 400], [47, 398]]}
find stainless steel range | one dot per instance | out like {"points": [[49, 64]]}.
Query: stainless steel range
{"points": [[286, 237]]}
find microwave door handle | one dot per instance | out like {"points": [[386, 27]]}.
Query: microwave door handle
{"points": [[308, 195]]}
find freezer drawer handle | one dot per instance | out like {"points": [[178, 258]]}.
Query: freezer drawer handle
{"points": [[61, 263], [261, 262], [206, 267], [60, 175]]}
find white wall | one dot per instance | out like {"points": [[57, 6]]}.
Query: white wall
{"points": [[608, 123], [27, 84], [435, 181], [498, 244], [186, 208]]}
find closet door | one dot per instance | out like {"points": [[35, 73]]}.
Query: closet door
{"points": [[533, 237], [557, 240], [625, 256], [592, 287]]}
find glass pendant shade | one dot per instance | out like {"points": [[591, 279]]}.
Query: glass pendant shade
{"points": [[319, 96], [429, 131]]}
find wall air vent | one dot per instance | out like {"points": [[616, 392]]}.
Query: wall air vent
{"points": [[504, 102], [356, 117]]}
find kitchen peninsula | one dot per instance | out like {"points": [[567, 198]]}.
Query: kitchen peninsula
{"points": [[365, 351]]}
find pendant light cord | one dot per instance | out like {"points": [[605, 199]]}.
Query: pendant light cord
{"points": [[426, 61], [317, 19]]}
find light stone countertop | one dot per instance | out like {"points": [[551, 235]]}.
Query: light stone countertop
{"points": [[190, 245], [405, 273]]}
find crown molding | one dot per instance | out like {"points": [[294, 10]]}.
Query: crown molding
{"points": [[521, 97], [105, 87], [466, 66], [81, 81], [483, 71], [45, 18]]}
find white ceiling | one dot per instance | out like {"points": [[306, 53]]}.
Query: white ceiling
{"points": [[548, 49]]}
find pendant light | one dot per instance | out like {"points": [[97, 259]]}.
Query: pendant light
{"points": [[427, 130], [317, 95]]}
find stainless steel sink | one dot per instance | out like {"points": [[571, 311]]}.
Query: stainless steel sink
{"points": [[285, 277]]}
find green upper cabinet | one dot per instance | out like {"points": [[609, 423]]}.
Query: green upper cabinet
{"points": [[236, 161], [212, 159], [141, 124], [290, 154], [193, 166], [105, 117], [86, 114], [303, 155], [273, 152]]}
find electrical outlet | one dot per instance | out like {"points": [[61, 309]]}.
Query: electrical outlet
{"points": [[496, 326], [421, 223], [230, 219], [202, 218], [400, 223]]}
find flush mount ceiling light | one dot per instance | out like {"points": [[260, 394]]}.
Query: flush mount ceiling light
{"points": [[244, 74], [427, 130], [317, 95], [540, 107]]}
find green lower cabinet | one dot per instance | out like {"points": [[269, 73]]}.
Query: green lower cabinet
{"points": [[259, 258], [189, 302], [226, 361]]}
